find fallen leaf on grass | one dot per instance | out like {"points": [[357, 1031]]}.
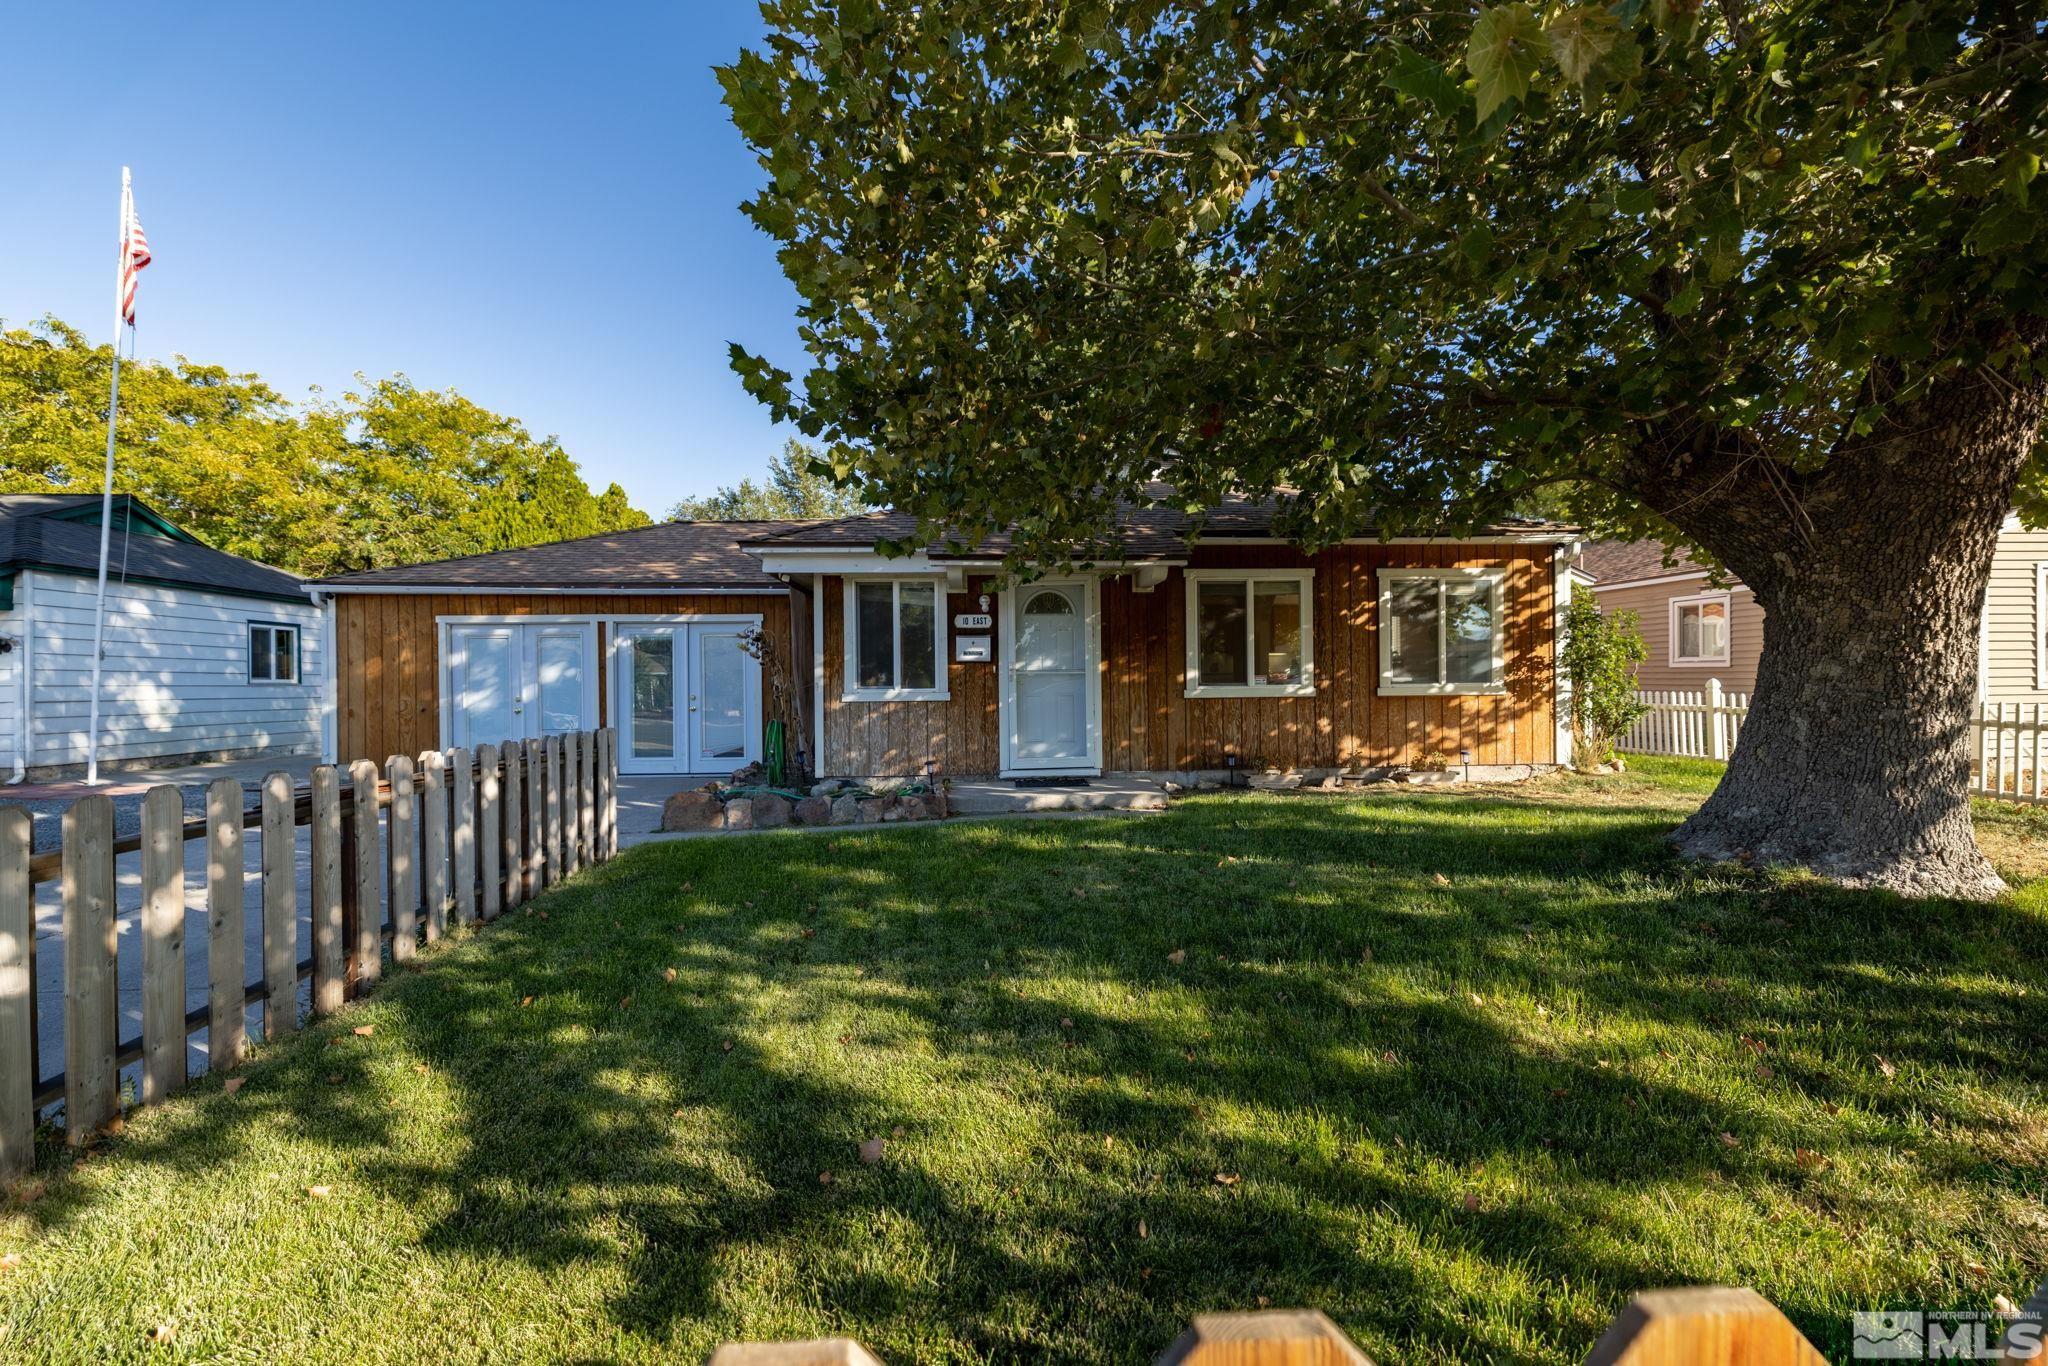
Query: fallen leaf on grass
{"points": [[824, 1178], [1477, 1000], [1066, 1023], [725, 1047], [363, 1031], [233, 1084], [1227, 1178], [334, 1078], [318, 1192], [1764, 1072], [1439, 879], [1977, 1268], [871, 1151], [1177, 956], [525, 1000], [1808, 1159], [1471, 1203], [1885, 1067], [1143, 1232], [625, 1000], [2004, 1305], [1729, 1140], [420, 1068], [668, 974], [810, 933], [896, 1132], [162, 1332], [11, 1262]]}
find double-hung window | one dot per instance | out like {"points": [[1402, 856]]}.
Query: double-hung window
{"points": [[895, 640], [1699, 629], [1250, 633], [273, 653], [1440, 632]]}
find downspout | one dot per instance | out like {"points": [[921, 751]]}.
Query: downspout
{"points": [[24, 728], [330, 687]]}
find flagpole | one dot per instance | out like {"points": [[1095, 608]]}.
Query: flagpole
{"points": [[99, 606]]}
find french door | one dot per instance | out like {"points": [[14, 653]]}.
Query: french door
{"points": [[520, 680], [688, 695]]}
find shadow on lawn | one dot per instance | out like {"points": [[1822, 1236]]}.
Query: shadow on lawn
{"points": [[622, 1115]]}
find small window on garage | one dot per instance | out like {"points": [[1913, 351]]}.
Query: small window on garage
{"points": [[273, 653]]}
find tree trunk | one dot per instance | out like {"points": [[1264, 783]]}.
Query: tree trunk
{"points": [[1854, 760]]}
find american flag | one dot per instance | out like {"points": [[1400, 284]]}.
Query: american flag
{"points": [[134, 253]]}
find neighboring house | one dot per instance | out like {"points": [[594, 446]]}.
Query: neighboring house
{"points": [[1237, 652], [1698, 627], [207, 655]]}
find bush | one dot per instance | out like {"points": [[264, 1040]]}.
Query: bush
{"points": [[1601, 653]]}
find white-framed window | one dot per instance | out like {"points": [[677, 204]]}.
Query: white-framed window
{"points": [[1440, 632], [1251, 633], [1699, 629], [895, 640], [273, 653]]}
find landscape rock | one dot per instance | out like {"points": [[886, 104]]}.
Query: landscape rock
{"points": [[912, 808], [846, 810], [830, 787], [771, 811], [696, 810], [753, 775], [739, 814], [1274, 781], [878, 809], [813, 811]]}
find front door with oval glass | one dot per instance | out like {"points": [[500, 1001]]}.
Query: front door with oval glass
{"points": [[688, 695], [1050, 666]]}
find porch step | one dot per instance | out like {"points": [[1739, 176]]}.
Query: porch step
{"points": [[997, 796]]}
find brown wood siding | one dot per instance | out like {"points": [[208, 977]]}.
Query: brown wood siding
{"points": [[388, 665], [1149, 724]]}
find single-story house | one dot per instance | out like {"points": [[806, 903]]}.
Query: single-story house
{"points": [[1235, 651], [1699, 626], [207, 655]]}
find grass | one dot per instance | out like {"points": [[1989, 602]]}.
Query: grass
{"points": [[1464, 1070]]}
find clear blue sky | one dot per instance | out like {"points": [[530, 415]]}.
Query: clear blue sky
{"points": [[537, 205]]}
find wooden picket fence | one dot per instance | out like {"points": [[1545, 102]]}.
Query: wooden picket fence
{"points": [[2007, 739], [463, 836]]}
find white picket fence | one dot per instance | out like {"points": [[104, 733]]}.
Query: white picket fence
{"points": [[1691, 725], [2010, 760]]}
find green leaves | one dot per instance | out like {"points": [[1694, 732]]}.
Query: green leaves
{"points": [[1419, 78], [1580, 37], [1504, 55]]}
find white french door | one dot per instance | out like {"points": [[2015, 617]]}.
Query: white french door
{"points": [[688, 695], [519, 681]]}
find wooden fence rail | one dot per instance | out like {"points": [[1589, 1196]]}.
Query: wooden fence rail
{"points": [[439, 849]]}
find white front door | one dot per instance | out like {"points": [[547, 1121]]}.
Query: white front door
{"points": [[691, 695], [1050, 693], [511, 681]]}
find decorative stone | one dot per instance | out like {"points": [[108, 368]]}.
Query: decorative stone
{"points": [[739, 814], [1275, 781], [813, 811], [753, 775], [771, 811], [846, 810], [696, 810], [876, 810]]}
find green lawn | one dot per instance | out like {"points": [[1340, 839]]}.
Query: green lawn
{"points": [[1462, 1069]]}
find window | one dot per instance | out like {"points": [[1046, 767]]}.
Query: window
{"points": [[1250, 634], [1440, 632], [895, 638], [273, 653], [1699, 629]]}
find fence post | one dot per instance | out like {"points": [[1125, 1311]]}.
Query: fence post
{"points": [[1717, 738], [536, 818], [611, 790], [330, 875], [163, 943], [360, 883], [433, 812], [514, 814], [18, 1062], [1709, 1325], [401, 845], [572, 819], [552, 747], [490, 838], [1269, 1337], [280, 847], [462, 834], [586, 796], [90, 1023], [226, 965]]}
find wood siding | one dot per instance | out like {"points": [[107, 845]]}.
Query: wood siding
{"points": [[1148, 722], [387, 649], [1652, 606], [175, 679]]}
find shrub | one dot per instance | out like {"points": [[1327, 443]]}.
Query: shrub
{"points": [[1601, 653]]}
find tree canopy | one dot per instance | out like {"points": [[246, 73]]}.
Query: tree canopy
{"points": [[390, 474], [797, 484], [1416, 262]]}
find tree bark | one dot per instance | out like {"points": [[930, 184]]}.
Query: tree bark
{"points": [[1854, 760]]}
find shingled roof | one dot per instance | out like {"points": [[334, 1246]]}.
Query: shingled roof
{"points": [[57, 532], [1611, 562], [665, 555]]}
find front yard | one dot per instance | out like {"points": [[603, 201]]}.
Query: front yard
{"points": [[1463, 1069]]}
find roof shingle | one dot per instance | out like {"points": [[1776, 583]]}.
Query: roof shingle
{"points": [[665, 555], [33, 537]]}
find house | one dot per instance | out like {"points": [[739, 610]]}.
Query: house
{"points": [[1237, 651], [1699, 626], [207, 655]]}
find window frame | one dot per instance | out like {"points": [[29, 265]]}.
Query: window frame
{"points": [[1496, 580], [1677, 607], [849, 664], [1303, 580], [298, 677]]}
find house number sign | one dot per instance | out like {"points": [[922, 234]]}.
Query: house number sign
{"points": [[972, 621]]}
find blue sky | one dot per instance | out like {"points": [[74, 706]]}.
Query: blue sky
{"points": [[535, 204]]}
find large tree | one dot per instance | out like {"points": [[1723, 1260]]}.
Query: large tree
{"points": [[389, 475], [1764, 276], [797, 484]]}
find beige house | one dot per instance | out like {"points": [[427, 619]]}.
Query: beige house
{"points": [[1700, 627]]}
